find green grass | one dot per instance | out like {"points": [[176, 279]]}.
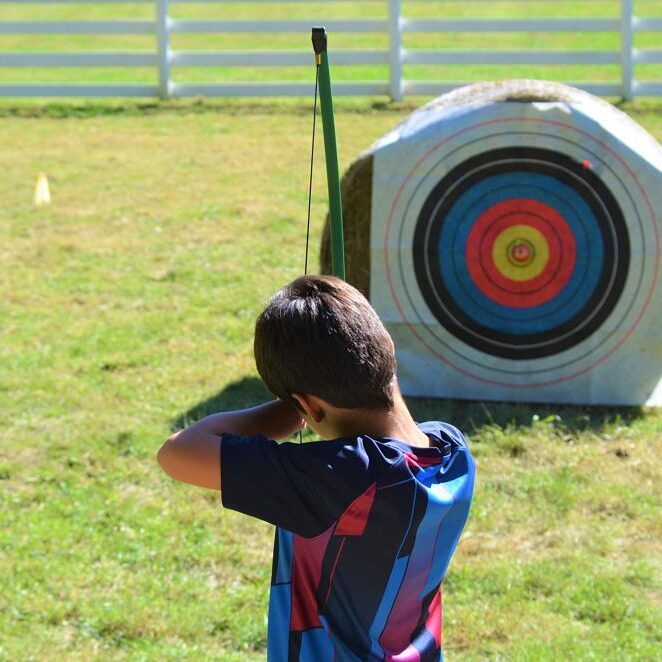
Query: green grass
{"points": [[318, 12], [127, 308]]}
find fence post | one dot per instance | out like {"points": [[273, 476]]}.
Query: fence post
{"points": [[627, 47], [395, 49], [163, 39]]}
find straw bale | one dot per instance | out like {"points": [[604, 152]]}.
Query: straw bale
{"points": [[356, 190]]}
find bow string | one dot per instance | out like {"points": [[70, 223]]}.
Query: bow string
{"points": [[323, 84]]}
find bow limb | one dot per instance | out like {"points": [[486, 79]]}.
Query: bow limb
{"points": [[331, 153]]}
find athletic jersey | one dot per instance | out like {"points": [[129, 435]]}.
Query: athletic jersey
{"points": [[366, 529]]}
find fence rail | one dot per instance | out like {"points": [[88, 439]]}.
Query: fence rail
{"points": [[395, 26]]}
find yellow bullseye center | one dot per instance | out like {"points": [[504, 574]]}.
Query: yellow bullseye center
{"points": [[520, 252]]}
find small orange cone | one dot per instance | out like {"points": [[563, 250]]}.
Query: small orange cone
{"points": [[42, 194]]}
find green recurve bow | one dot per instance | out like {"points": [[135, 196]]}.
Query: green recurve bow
{"points": [[319, 39]]}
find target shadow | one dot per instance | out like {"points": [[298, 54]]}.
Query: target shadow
{"points": [[472, 415], [468, 415]]}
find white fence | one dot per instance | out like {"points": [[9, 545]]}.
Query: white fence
{"points": [[396, 26]]}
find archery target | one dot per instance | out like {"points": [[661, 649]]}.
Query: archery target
{"points": [[524, 252], [515, 252]]}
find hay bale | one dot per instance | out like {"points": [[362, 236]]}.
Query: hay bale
{"points": [[356, 187]]}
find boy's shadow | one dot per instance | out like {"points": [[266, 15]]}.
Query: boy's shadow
{"points": [[246, 392], [468, 415]]}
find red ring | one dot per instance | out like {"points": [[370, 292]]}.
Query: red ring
{"points": [[506, 291], [485, 245]]}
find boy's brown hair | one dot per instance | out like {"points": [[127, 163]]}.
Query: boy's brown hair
{"points": [[320, 336]]}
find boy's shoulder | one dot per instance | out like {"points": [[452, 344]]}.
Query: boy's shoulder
{"points": [[304, 488], [444, 431], [365, 454], [444, 434]]}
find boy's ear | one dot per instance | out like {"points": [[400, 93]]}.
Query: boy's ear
{"points": [[311, 405]]}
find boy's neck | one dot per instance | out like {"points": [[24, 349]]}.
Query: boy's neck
{"points": [[395, 423]]}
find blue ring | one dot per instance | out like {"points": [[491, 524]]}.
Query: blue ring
{"points": [[478, 199]]}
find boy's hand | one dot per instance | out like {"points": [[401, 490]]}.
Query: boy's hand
{"points": [[275, 420], [193, 455]]}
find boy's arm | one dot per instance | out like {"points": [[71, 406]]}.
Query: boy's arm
{"points": [[193, 455]]}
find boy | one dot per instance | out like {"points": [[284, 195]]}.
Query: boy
{"points": [[369, 517]]}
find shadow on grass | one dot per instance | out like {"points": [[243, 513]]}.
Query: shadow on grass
{"points": [[247, 392], [472, 415], [298, 106], [468, 415], [230, 107]]}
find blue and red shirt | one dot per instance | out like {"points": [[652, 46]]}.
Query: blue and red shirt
{"points": [[366, 529]]}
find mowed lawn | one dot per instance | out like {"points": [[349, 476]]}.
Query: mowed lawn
{"points": [[127, 307]]}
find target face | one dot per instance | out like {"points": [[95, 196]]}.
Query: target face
{"points": [[518, 244], [525, 252]]}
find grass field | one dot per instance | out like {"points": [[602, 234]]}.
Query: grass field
{"points": [[126, 309]]}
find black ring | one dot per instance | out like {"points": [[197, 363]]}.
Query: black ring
{"points": [[599, 305]]}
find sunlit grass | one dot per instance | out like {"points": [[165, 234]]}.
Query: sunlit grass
{"points": [[128, 305]]}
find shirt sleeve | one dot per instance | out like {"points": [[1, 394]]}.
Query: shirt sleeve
{"points": [[302, 488], [446, 432]]}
